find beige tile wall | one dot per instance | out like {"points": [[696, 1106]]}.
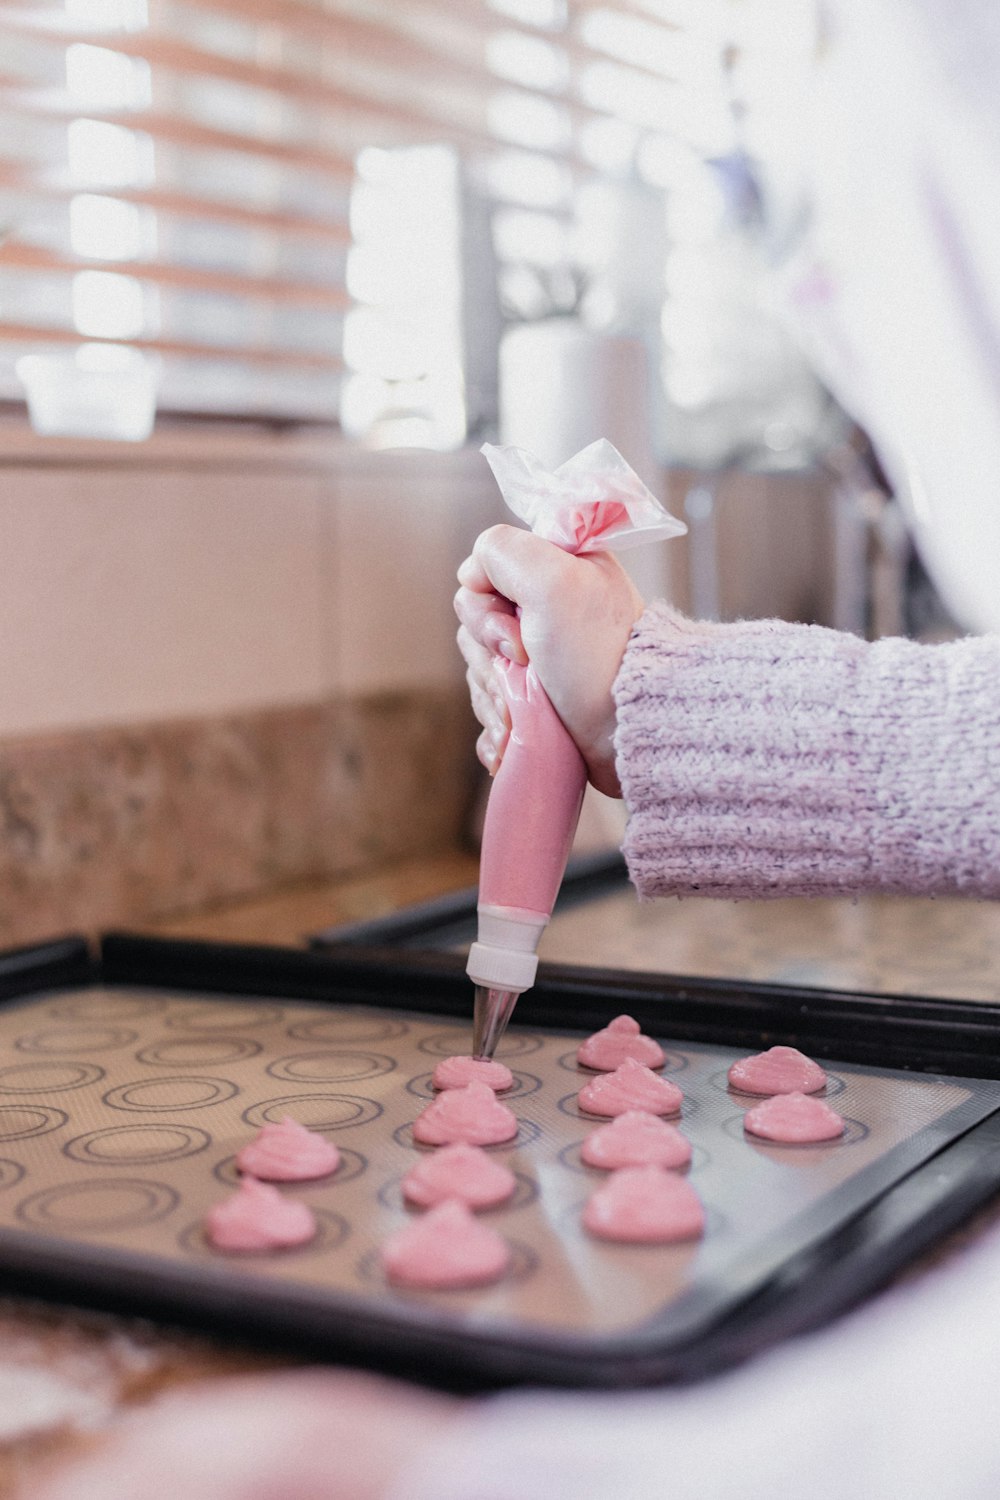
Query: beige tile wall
{"points": [[178, 587]]}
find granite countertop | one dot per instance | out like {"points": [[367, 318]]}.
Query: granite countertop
{"points": [[65, 1374], [290, 915]]}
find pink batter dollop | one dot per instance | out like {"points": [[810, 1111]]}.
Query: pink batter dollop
{"points": [[779, 1070], [636, 1139], [794, 1119], [460, 1171], [457, 1072], [445, 1248], [288, 1152], [630, 1086], [645, 1205], [257, 1217], [622, 1038], [472, 1114]]}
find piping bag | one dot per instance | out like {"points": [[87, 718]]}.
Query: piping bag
{"points": [[593, 502]]}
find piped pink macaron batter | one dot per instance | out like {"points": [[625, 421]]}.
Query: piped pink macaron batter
{"points": [[445, 1248], [288, 1152], [457, 1072], [630, 1086], [794, 1119], [257, 1217], [645, 1205], [779, 1070], [472, 1114], [622, 1038], [636, 1139], [459, 1171]]}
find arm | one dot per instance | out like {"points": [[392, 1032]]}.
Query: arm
{"points": [[771, 759], [756, 759]]}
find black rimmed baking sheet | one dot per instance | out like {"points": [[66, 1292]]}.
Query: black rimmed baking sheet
{"points": [[943, 947], [196, 1042], [449, 921]]}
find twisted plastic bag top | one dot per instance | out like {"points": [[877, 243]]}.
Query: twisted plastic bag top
{"points": [[594, 502]]}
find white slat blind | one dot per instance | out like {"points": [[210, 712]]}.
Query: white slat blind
{"points": [[176, 175]]}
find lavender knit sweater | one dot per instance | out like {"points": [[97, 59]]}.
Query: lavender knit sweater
{"points": [[770, 759]]}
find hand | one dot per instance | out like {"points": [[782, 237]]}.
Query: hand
{"points": [[307, 1435], [525, 599]]}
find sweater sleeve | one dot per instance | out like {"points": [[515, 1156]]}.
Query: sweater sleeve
{"points": [[770, 759]]}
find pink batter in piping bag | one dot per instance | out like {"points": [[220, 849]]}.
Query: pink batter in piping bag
{"points": [[592, 502]]}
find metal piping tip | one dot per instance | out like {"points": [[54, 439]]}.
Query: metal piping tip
{"points": [[492, 1010]]}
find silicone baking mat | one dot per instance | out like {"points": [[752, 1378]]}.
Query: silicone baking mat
{"points": [[122, 1107]]}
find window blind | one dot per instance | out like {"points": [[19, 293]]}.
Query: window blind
{"points": [[178, 178]]}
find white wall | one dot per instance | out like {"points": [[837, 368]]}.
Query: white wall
{"points": [[211, 573]]}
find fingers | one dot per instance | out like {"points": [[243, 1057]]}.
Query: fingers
{"points": [[486, 697], [491, 714], [509, 569], [474, 572], [481, 674], [489, 617], [516, 565], [490, 622], [487, 753]]}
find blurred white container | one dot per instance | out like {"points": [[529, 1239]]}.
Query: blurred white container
{"points": [[97, 391], [562, 386]]}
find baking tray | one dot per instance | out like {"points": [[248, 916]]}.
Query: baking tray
{"points": [[129, 1078], [449, 921], [947, 947]]}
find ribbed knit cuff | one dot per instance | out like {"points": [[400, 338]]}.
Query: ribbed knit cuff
{"points": [[770, 759]]}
